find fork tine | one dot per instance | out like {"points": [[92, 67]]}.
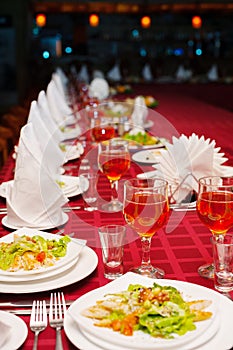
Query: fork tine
{"points": [[44, 313], [33, 313]]}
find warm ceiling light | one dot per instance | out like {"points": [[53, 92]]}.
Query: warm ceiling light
{"points": [[40, 19], [145, 22], [94, 20], [196, 22]]}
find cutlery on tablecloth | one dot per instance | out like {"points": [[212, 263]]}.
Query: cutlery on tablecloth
{"points": [[38, 320], [26, 303], [65, 209], [56, 316]]}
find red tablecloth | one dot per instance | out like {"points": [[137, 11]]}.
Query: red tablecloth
{"points": [[179, 249]]}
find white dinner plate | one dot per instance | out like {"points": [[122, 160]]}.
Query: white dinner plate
{"points": [[85, 265], [72, 152], [18, 332], [70, 133], [73, 251], [48, 274], [65, 218], [149, 156], [140, 340], [71, 185], [193, 345], [70, 188]]}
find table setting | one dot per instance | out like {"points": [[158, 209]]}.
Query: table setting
{"points": [[136, 225]]}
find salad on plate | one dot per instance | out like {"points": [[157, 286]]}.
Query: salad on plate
{"points": [[27, 253], [159, 311]]}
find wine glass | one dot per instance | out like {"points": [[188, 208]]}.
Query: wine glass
{"points": [[101, 127], [146, 210], [215, 210], [113, 161]]}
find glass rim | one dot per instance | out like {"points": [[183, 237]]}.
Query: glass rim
{"points": [[129, 183], [112, 226], [202, 180]]}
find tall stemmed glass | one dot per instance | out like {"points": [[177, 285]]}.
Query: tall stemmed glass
{"points": [[215, 210], [146, 210], [113, 161]]}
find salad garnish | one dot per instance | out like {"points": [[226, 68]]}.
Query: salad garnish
{"points": [[31, 253], [159, 311]]}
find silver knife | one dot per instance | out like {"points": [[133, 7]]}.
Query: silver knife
{"points": [[25, 303]]}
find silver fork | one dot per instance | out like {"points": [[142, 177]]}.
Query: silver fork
{"points": [[38, 320], [57, 312]]}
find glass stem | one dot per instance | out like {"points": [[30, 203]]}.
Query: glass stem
{"points": [[146, 244], [114, 190]]}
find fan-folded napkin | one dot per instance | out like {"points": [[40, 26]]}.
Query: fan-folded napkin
{"points": [[53, 156], [114, 73], [187, 159], [34, 198], [139, 115], [59, 109], [45, 115]]}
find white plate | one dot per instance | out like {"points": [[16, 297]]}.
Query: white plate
{"points": [[149, 156], [222, 340], [72, 152], [65, 218], [85, 265], [70, 133], [72, 185], [193, 345], [48, 274], [18, 332], [141, 340], [73, 251]]}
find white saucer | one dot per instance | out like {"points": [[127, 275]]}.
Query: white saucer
{"points": [[13, 227], [149, 156]]}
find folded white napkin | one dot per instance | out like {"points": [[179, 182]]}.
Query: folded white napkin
{"points": [[45, 115], [63, 77], [34, 198], [59, 109], [60, 85], [139, 115], [4, 331], [146, 72], [83, 74], [187, 159], [183, 74], [212, 74], [53, 156], [114, 74], [99, 88]]}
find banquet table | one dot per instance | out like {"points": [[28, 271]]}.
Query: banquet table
{"points": [[179, 248]]}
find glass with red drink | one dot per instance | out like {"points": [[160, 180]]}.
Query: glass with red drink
{"points": [[114, 162], [146, 210], [215, 210]]}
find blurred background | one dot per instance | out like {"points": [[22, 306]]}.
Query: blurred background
{"points": [[36, 36]]}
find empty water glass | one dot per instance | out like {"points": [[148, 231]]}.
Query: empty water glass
{"points": [[112, 243], [88, 185]]}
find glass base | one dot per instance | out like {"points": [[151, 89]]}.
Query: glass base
{"points": [[149, 271], [113, 206], [206, 271], [90, 208]]}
